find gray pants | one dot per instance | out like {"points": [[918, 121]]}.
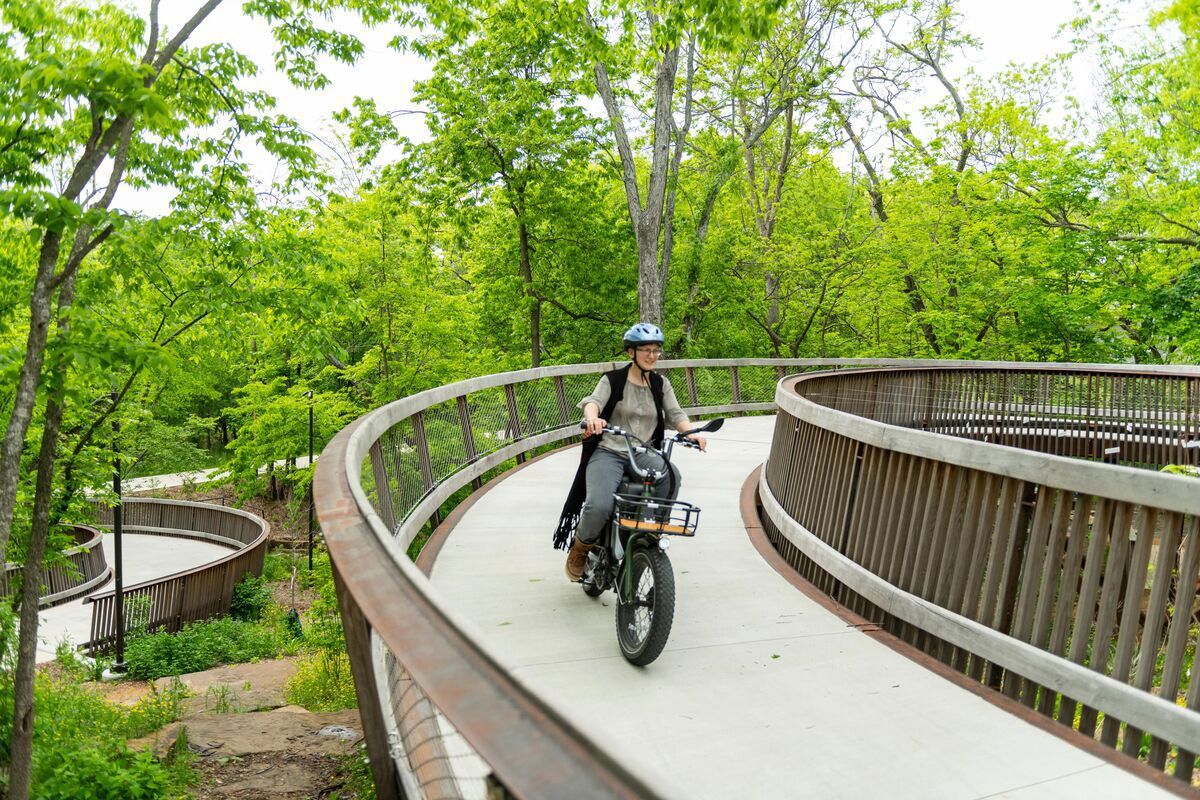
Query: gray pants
{"points": [[604, 473]]}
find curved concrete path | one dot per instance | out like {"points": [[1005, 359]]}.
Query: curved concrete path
{"points": [[761, 692], [146, 558]]}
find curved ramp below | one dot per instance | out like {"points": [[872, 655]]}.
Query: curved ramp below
{"points": [[760, 692], [146, 558]]}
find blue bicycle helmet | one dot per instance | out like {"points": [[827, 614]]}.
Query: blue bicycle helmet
{"points": [[643, 333]]}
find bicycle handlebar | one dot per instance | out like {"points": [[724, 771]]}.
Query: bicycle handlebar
{"points": [[672, 439]]}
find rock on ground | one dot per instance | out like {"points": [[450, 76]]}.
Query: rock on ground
{"points": [[244, 752]]}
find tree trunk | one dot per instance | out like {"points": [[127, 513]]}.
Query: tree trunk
{"points": [[535, 307], [649, 279], [647, 221], [20, 767], [21, 747], [26, 395]]}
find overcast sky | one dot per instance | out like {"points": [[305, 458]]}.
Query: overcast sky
{"points": [[1009, 30]]}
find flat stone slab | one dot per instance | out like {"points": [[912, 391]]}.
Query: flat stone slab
{"points": [[289, 729], [760, 691]]}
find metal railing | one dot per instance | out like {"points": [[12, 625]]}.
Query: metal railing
{"points": [[939, 503], [442, 716], [170, 602], [81, 569]]}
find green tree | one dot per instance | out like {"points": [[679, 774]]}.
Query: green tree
{"points": [[505, 126]]}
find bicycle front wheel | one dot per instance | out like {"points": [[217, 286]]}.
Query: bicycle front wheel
{"points": [[644, 622]]}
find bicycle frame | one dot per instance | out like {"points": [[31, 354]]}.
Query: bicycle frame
{"points": [[623, 579]]}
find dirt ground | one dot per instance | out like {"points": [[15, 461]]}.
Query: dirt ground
{"points": [[246, 741]]}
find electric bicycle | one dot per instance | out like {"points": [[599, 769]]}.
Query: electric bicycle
{"points": [[631, 557]]}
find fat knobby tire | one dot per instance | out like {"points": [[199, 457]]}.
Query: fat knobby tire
{"points": [[662, 608]]}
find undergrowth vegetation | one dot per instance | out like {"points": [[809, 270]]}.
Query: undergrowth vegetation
{"points": [[204, 645], [323, 681], [80, 749]]}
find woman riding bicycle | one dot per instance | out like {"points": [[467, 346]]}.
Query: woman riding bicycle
{"points": [[637, 399]]}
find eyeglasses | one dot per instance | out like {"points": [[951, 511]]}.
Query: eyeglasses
{"points": [[653, 352]]}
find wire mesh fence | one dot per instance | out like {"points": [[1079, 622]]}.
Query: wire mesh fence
{"points": [[437, 443]]}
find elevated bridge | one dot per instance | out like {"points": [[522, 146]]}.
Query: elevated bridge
{"points": [[914, 579]]}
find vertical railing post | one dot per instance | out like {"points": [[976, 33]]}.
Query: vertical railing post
{"points": [[418, 421], [382, 488], [362, 666], [735, 385], [560, 393], [464, 420], [689, 375], [514, 417], [118, 666]]}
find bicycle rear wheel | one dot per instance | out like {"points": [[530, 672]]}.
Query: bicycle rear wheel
{"points": [[644, 623]]}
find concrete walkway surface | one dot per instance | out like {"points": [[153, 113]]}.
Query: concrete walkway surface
{"points": [[177, 479], [760, 693]]}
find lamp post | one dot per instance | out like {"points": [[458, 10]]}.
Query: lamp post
{"points": [[118, 666], [309, 395]]}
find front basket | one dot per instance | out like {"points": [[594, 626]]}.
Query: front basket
{"points": [[656, 515]]}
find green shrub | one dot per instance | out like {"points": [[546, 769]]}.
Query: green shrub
{"points": [[104, 773], [355, 768], [156, 709], [79, 746], [250, 598], [322, 622], [323, 682], [203, 645], [277, 566]]}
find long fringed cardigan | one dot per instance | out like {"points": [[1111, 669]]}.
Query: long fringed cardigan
{"points": [[564, 534]]}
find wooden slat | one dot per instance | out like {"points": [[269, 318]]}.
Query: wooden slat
{"points": [[1168, 549]]}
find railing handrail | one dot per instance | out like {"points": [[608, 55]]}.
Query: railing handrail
{"points": [[81, 571], [1163, 490], [866, 496], [1147, 711], [357, 536], [264, 533], [375, 574], [93, 538]]}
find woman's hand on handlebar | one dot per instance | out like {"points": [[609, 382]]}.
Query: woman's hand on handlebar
{"points": [[593, 427], [700, 441]]}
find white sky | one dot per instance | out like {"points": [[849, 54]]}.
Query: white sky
{"points": [[1019, 31]]}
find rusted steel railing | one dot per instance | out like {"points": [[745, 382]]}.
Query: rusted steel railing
{"points": [[170, 602], [81, 568], [440, 712], [941, 504]]}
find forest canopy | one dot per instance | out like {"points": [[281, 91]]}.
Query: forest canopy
{"points": [[799, 178], [816, 178]]}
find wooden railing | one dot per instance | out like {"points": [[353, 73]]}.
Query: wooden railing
{"points": [[940, 504], [81, 569], [169, 603]]}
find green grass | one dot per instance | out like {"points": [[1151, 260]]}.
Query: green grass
{"points": [[355, 769]]}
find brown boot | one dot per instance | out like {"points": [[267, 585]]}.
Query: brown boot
{"points": [[577, 559]]}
